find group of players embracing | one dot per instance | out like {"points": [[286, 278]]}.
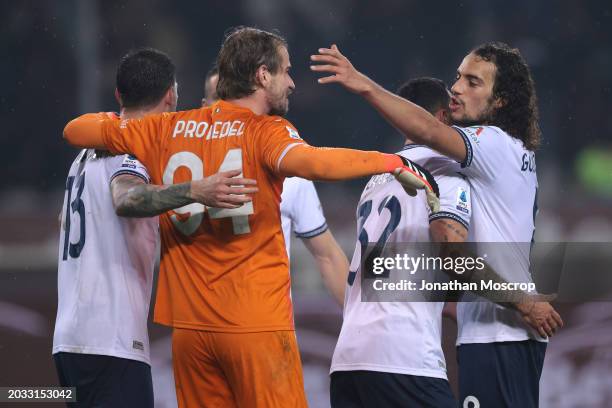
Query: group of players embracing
{"points": [[224, 283]]}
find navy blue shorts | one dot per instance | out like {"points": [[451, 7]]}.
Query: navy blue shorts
{"points": [[364, 389], [503, 374], [105, 381]]}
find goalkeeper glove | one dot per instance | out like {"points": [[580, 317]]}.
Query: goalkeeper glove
{"points": [[413, 177]]}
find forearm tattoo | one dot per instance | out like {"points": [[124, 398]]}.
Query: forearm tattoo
{"points": [[459, 232], [133, 199], [486, 274]]}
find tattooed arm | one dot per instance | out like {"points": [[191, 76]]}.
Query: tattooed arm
{"points": [[452, 236], [132, 197], [447, 230], [537, 314]]}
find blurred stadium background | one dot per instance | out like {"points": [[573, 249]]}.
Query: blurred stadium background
{"points": [[60, 59]]}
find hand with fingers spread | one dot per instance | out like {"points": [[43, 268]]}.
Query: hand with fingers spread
{"points": [[540, 316], [223, 190], [331, 61]]}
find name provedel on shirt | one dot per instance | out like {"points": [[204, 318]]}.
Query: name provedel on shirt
{"points": [[216, 130]]}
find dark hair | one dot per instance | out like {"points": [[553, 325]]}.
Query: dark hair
{"points": [[430, 94], [214, 70], [144, 76], [514, 86], [244, 50]]}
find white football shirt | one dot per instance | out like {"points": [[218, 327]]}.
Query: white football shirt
{"points": [[300, 210], [399, 337], [502, 175], [105, 266]]}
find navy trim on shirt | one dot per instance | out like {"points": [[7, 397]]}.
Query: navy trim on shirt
{"points": [[312, 233], [450, 215], [131, 173], [469, 153], [411, 146]]}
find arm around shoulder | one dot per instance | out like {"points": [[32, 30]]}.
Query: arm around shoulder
{"points": [[410, 119], [416, 123], [86, 131]]}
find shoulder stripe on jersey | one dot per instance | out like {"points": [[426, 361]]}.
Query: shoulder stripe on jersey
{"points": [[411, 146], [313, 233], [131, 173], [284, 153], [450, 215], [468, 147]]}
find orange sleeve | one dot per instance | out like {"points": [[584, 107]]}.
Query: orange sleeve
{"points": [[86, 130], [329, 164], [139, 137], [277, 137]]}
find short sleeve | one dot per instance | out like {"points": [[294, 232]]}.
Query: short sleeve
{"points": [[132, 166], [455, 199], [278, 136], [307, 215], [139, 137], [485, 150]]}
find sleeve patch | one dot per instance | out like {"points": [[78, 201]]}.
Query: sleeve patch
{"points": [[131, 165], [463, 201], [293, 133]]}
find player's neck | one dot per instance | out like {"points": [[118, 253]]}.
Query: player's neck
{"points": [[253, 102], [136, 113]]}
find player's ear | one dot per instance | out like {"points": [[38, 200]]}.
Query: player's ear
{"points": [[171, 97], [443, 116], [262, 76], [118, 97]]}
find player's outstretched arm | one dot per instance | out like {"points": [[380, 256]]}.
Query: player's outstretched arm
{"points": [[410, 119], [333, 164], [86, 131], [331, 261], [132, 197]]}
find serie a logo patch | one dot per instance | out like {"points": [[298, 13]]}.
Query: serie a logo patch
{"points": [[293, 133], [463, 200]]}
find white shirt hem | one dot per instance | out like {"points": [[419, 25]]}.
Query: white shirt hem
{"points": [[101, 351], [497, 339], [389, 369]]}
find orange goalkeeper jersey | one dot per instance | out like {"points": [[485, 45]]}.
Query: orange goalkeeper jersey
{"points": [[221, 270]]}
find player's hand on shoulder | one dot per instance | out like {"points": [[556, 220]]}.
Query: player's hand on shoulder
{"points": [[541, 316], [331, 61], [223, 190], [413, 177]]}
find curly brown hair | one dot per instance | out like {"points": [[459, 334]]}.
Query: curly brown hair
{"points": [[244, 50], [514, 86]]}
